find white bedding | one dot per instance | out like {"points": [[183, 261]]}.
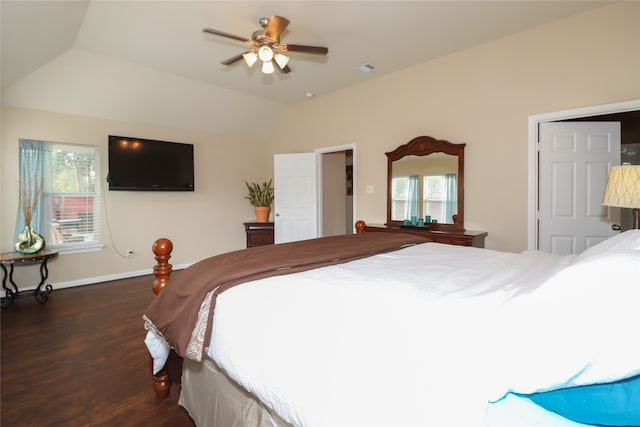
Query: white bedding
{"points": [[428, 335], [350, 340]]}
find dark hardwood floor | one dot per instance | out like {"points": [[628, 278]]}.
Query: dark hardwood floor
{"points": [[80, 360]]}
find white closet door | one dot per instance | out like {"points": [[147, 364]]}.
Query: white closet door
{"points": [[574, 162]]}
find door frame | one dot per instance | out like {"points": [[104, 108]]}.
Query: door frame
{"points": [[319, 152], [534, 121]]}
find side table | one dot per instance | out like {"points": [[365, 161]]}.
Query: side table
{"points": [[17, 258], [259, 233]]}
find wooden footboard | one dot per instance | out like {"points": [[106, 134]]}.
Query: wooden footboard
{"points": [[172, 370]]}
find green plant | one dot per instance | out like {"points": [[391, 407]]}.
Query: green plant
{"points": [[260, 194]]}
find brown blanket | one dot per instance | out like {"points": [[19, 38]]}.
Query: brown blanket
{"points": [[174, 312]]}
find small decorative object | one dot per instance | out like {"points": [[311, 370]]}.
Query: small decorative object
{"points": [[29, 242], [427, 219], [261, 197]]}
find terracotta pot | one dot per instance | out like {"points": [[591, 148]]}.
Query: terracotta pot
{"points": [[262, 213]]}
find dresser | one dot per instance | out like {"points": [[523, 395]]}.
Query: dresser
{"points": [[449, 237], [259, 233]]}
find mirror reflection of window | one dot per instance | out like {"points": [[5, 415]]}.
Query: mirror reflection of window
{"points": [[433, 197], [405, 196], [425, 185], [399, 197]]}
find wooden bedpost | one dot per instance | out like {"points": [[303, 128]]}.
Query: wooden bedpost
{"points": [[360, 226], [162, 249]]}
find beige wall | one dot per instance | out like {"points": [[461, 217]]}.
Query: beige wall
{"points": [[200, 223], [482, 97]]}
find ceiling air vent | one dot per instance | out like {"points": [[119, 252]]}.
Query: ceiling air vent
{"points": [[366, 68]]}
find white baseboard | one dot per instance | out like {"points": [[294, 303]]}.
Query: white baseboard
{"points": [[94, 280]]}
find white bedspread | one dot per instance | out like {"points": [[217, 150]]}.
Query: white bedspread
{"points": [[432, 334], [396, 339]]}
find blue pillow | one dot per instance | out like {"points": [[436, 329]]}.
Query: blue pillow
{"points": [[611, 404]]}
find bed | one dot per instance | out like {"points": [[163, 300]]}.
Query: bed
{"points": [[389, 329]]}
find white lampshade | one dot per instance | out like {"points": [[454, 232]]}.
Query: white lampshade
{"points": [[281, 59], [623, 187], [267, 67], [250, 57]]}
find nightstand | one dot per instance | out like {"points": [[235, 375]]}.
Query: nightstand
{"points": [[259, 233]]}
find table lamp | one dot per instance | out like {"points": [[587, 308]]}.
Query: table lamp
{"points": [[623, 190]]}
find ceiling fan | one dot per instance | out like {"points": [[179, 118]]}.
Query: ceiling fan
{"points": [[266, 46]]}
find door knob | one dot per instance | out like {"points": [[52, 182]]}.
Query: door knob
{"points": [[616, 227]]}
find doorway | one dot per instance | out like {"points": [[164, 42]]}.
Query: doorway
{"points": [[626, 112], [336, 198], [314, 191]]}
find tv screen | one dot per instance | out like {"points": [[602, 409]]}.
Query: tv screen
{"points": [[137, 164]]}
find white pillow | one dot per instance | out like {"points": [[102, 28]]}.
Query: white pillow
{"points": [[582, 326], [626, 240]]}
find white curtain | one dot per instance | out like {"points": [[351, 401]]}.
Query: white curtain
{"points": [[450, 197]]}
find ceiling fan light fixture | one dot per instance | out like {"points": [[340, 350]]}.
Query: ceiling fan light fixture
{"points": [[265, 53], [281, 59], [265, 45], [267, 67], [250, 57]]}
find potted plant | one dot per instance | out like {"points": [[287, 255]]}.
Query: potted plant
{"points": [[261, 197]]}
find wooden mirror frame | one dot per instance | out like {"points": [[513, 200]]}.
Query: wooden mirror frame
{"points": [[422, 146]]}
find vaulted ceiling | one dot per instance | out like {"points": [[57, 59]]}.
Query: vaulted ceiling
{"points": [[167, 36]]}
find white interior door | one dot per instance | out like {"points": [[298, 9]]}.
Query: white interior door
{"points": [[295, 192], [574, 162]]}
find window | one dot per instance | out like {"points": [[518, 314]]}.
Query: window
{"points": [[68, 209], [404, 197], [433, 196], [399, 197]]}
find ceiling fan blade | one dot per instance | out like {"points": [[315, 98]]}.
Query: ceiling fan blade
{"points": [[275, 27], [231, 36], [314, 50], [233, 59]]}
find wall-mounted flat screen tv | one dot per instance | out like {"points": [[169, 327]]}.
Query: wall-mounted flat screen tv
{"points": [[137, 164]]}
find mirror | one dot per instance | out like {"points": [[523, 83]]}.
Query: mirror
{"points": [[426, 177]]}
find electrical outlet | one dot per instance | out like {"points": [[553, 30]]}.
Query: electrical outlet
{"points": [[130, 253]]}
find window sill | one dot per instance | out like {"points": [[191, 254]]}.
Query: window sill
{"points": [[69, 249]]}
